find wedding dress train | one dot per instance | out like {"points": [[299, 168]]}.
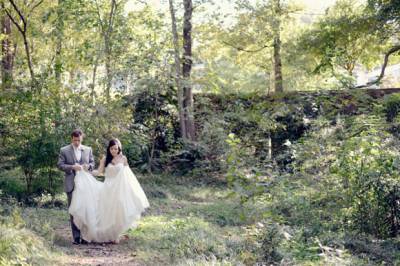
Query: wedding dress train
{"points": [[121, 203], [84, 204], [103, 211]]}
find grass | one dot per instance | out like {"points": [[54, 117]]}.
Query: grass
{"points": [[191, 225], [20, 245], [186, 224]]}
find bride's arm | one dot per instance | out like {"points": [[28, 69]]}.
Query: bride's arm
{"points": [[125, 160], [100, 170]]}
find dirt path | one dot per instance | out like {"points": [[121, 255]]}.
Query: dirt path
{"points": [[122, 253]]}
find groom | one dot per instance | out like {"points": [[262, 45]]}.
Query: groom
{"points": [[72, 158]]}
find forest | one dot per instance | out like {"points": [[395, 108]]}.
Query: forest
{"points": [[263, 132]]}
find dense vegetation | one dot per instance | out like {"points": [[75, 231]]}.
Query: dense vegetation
{"points": [[329, 194]]}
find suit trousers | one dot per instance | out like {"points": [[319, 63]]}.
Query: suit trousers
{"points": [[76, 233]]}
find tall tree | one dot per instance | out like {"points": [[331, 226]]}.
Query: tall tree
{"points": [[21, 20], [276, 29], [342, 40], [387, 14], [107, 28], [178, 72], [186, 69], [182, 77], [257, 33], [58, 64], [6, 51]]}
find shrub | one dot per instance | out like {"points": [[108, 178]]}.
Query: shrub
{"points": [[369, 169], [12, 184], [392, 106]]}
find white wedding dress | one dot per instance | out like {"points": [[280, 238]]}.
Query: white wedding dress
{"points": [[84, 204], [103, 211]]}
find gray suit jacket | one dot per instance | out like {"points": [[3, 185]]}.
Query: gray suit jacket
{"points": [[67, 159]]}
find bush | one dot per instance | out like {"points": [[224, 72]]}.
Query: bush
{"points": [[12, 184], [392, 106], [270, 241], [369, 169]]}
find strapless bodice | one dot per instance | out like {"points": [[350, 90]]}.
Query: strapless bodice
{"points": [[113, 169]]}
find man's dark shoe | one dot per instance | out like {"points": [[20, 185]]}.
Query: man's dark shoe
{"points": [[77, 241], [84, 242]]}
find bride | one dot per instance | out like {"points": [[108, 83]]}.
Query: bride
{"points": [[103, 211]]}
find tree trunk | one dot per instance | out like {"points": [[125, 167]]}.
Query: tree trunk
{"points": [[28, 178], [153, 138], [23, 30], [58, 65], [51, 185], [186, 70], [106, 27], [29, 58], [7, 54], [391, 51], [107, 30], [93, 92], [277, 47], [108, 66], [271, 84], [178, 75], [269, 147]]}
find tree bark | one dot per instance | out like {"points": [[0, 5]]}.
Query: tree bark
{"points": [[108, 66], [269, 147], [58, 65], [7, 53], [277, 47], [177, 65], [186, 70], [107, 30], [93, 92], [23, 29]]}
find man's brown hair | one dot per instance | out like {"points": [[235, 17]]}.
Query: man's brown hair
{"points": [[76, 133]]}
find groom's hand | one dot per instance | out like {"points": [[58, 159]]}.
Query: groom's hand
{"points": [[77, 167], [86, 167]]}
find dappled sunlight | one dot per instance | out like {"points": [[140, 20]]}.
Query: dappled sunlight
{"points": [[173, 239], [258, 132]]}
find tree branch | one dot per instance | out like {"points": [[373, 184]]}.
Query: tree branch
{"points": [[246, 50], [13, 20], [35, 6], [21, 16], [392, 50], [111, 17], [38, 4], [99, 16]]}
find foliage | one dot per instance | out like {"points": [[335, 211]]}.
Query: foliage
{"points": [[392, 106], [342, 180], [19, 245], [302, 169], [343, 40], [387, 13], [243, 181], [12, 184], [36, 129], [370, 180]]}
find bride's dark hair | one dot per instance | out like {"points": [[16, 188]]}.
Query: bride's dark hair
{"points": [[109, 157]]}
